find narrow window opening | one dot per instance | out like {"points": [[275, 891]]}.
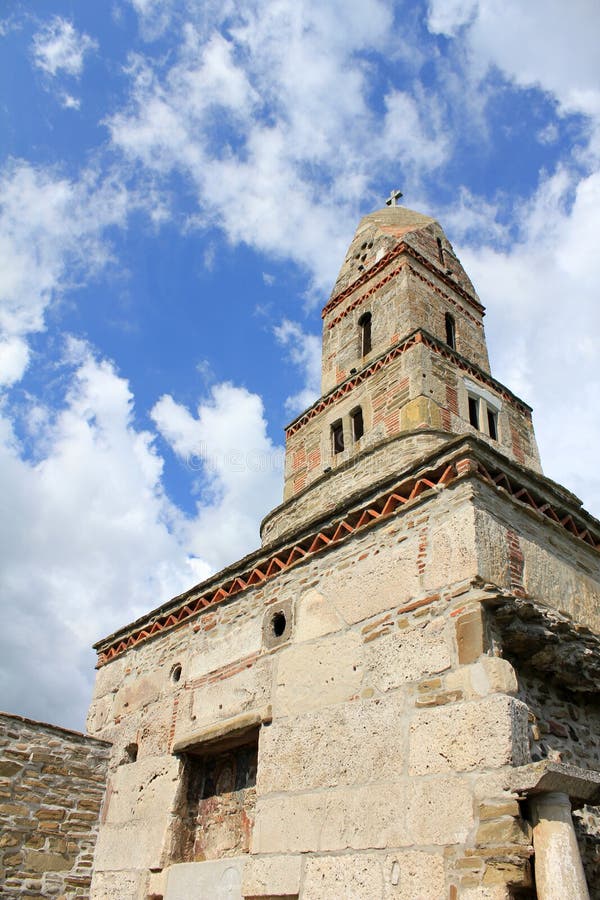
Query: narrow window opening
{"points": [[364, 323], [474, 411], [131, 753], [492, 417], [337, 437], [450, 331], [440, 250], [358, 425]]}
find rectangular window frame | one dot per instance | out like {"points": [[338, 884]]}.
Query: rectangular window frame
{"points": [[485, 408], [337, 437], [358, 423]]}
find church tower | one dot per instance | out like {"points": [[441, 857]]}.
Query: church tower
{"points": [[405, 370], [395, 696]]}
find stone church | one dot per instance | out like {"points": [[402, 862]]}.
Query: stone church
{"points": [[396, 695]]}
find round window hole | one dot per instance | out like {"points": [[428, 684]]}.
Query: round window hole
{"points": [[176, 673], [278, 623]]}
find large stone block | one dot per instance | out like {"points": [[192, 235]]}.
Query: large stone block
{"points": [[142, 790], [110, 677], [211, 703], [210, 880], [480, 734], [240, 640], [405, 656], [376, 582], [439, 810], [138, 691], [451, 544], [369, 817], [490, 675], [351, 743], [316, 615], [271, 876], [405, 875], [317, 674], [118, 886], [131, 847]]}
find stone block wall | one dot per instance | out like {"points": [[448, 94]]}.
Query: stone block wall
{"points": [[417, 390], [401, 296], [388, 728], [51, 789]]}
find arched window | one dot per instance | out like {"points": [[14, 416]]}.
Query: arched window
{"points": [[450, 331], [364, 324], [440, 251], [358, 425], [337, 437]]}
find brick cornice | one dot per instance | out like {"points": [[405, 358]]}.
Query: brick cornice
{"points": [[379, 266], [468, 458], [358, 301], [417, 337]]}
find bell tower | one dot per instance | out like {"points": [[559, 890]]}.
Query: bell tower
{"points": [[405, 369]]}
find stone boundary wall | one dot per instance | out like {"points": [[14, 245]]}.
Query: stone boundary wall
{"points": [[51, 788]]}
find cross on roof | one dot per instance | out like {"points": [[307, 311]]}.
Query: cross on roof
{"points": [[393, 198]]}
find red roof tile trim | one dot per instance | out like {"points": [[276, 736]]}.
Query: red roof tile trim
{"points": [[357, 520]]}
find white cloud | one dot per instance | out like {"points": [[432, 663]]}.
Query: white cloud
{"points": [[226, 443], [51, 236], [533, 43], [70, 102], [90, 540], [304, 351], [270, 120], [449, 16], [59, 47], [14, 358], [84, 537], [544, 323]]}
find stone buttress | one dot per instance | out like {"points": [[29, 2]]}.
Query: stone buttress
{"points": [[395, 696]]}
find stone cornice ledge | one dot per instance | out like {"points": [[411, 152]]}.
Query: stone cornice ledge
{"points": [[581, 785], [223, 734], [466, 458]]}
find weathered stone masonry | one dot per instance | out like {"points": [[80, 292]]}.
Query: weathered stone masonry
{"points": [[396, 695], [51, 788]]}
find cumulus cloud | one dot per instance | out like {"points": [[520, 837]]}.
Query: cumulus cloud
{"points": [[59, 47], [51, 234], [87, 533], [270, 120], [532, 43], [89, 538], [533, 259], [239, 468], [304, 351]]}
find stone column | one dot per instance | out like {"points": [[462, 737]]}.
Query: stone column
{"points": [[558, 869]]}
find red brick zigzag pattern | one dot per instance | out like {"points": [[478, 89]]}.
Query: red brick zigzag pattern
{"points": [[355, 521], [372, 290], [419, 337]]}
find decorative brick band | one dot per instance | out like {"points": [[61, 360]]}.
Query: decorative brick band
{"points": [[402, 247], [388, 277], [417, 337], [355, 521]]}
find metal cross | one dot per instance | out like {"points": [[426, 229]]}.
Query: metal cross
{"points": [[394, 196]]}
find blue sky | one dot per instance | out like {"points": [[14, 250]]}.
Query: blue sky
{"points": [[179, 181]]}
